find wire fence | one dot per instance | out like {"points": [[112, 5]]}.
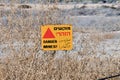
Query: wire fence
{"points": [[110, 77]]}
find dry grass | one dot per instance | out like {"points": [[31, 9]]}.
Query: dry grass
{"points": [[28, 63], [24, 6], [95, 34], [2, 4], [46, 67], [98, 37], [37, 66]]}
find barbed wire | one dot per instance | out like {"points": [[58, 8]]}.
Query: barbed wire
{"points": [[118, 75]]}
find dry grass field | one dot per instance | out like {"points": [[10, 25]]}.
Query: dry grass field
{"points": [[21, 57]]}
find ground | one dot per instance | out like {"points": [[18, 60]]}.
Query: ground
{"points": [[96, 41]]}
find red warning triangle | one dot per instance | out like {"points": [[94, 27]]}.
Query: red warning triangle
{"points": [[48, 34]]}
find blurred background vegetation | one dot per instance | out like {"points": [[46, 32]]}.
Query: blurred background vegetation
{"points": [[53, 1]]}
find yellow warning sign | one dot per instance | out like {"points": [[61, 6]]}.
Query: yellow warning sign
{"points": [[56, 37]]}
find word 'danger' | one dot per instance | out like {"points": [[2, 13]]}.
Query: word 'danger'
{"points": [[56, 37]]}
